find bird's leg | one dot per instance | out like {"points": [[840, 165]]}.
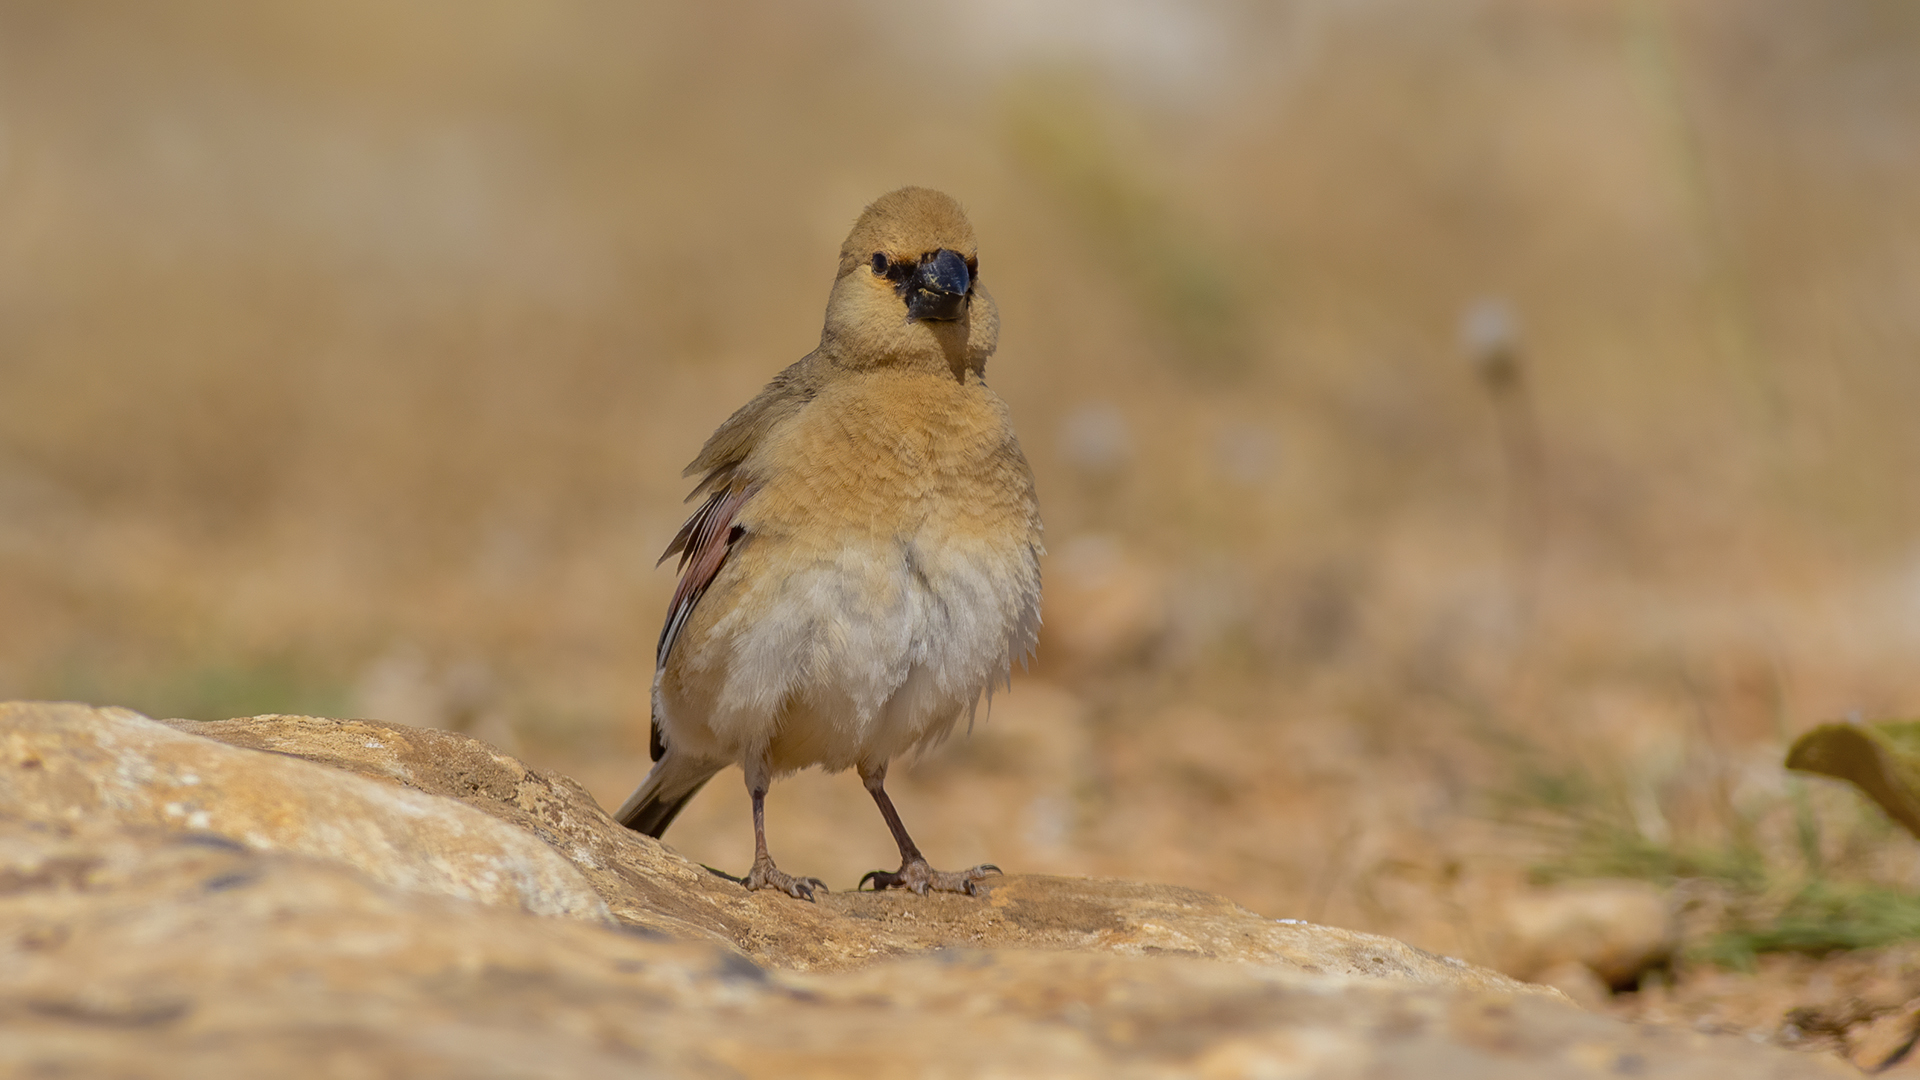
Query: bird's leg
{"points": [[914, 873], [764, 874]]}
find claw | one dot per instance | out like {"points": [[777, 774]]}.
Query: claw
{"points": [[974, 876], [921, 878], [802, 889], [771, 877]]}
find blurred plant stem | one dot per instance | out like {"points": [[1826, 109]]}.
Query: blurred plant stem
{"points": [[1491, 337], [1656, 61]]}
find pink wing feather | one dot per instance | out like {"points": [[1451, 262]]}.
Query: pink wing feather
{"points": [[702, 544]]}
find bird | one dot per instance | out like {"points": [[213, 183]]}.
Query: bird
{"points": [[864, 565]]}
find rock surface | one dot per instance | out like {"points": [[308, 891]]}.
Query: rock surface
{"points": [[235, 937], [646, 884], [1615, 928], [71, 763]]}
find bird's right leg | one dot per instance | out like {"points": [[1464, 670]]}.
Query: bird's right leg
{"points": [[764, 874]]}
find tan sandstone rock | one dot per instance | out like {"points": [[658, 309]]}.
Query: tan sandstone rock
{"points": [[646, 884], [1615, 928], [1885, 1044], [173, 905], [69, 763], [139, 952]]}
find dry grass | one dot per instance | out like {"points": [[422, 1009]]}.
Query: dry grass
{"points": [[349, 355]]}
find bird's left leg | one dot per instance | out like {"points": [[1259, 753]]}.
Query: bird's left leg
{"points": [[914, 873]]}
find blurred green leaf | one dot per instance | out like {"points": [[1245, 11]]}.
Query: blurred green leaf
{"points": [[1880, 759]]}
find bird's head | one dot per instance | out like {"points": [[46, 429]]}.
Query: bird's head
{"points": [[908, 291]]}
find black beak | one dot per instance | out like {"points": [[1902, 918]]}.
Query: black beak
{"points": [[939, 287]]}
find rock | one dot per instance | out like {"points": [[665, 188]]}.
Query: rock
{"points": [[1885, 1043], [197, 899], [643, 883], [127, 947], [1617, 929], [137, 952], [646, 884], [1578, 982], [68, 763]]}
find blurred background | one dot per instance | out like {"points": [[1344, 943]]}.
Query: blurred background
{"points": [[1473, 438]]}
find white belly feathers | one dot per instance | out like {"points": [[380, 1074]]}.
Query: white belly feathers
{"points": [[868, 654]]}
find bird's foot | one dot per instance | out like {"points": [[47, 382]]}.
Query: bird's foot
{"points": [[921, 878], [765, 875]]}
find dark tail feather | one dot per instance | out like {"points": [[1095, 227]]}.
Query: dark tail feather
{"points": [[666, 791], [653, 817]]}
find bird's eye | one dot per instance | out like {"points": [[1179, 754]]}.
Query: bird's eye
{"points": [[880, 264]]}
